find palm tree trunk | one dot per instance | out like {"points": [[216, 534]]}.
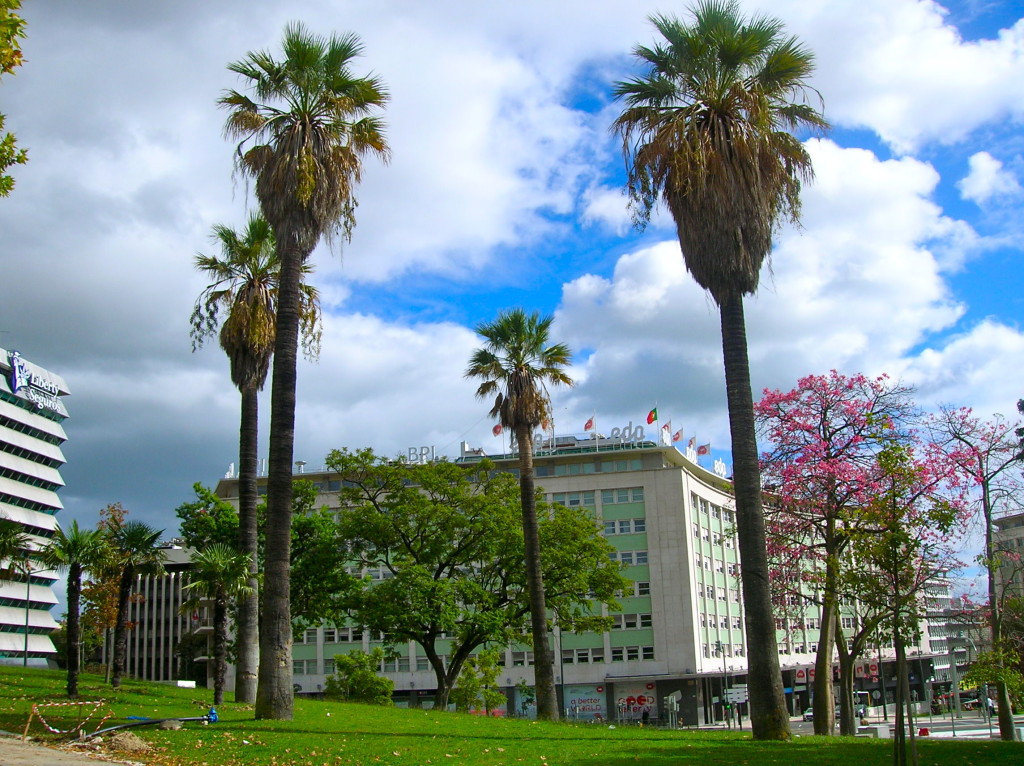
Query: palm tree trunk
{"points": [[247, 627], [769, 718], [275, 695], [74, 627], [543, 668], [220, 646], [124, 593]]}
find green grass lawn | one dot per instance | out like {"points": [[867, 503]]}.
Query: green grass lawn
{"points": [[356, 735]]}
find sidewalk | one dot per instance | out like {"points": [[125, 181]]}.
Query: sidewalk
{"points": [[14, 752]]}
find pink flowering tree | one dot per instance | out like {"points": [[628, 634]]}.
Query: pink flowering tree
{"points": [[914, 526], [988, 454], [820, 472]]}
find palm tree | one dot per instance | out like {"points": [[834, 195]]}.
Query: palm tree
{"points": [[706, 130], [134, 547], [74, 551], [14, 544], [311, 126], [516, 364], [245, 286], [219, 573]]}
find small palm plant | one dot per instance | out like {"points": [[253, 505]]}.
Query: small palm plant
{"points": [[219, 574]]}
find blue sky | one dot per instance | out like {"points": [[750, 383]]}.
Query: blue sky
{"points": [[504, 189]]}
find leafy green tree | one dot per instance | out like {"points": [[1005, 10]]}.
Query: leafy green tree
{"points": [[12, 29], [136, 551], [448, 539], [303, 140], [916, 530], [319, 553], [356, 679], [706, 130], [245, 286], [220, 573], [74, 551], [516, 364], [207, 520], [477, 685]]}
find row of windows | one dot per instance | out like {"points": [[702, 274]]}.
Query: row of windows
{"points": [[519, 659], [24, 478], [709, 536], [34, 457], [625, 526], [730, 650], [28, 430], [708, 508], [629, 558], [31, 505], [580, 469], [718, 565], [626, 495], [630, 621], [721, 621], [711, 591], [574, 499]]}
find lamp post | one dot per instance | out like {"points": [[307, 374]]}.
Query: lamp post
{"points": [[26, 567], [725, 687]]}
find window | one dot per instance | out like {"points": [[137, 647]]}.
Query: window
{"points": [[696, 529], [723, 621], [616, 496], [639, 525], [519, 659], [609, 527], [568, 656], [574, 499], [709, 591], [330, 636], [632, 653], [422, 663], [350, 635], [303, 667], [643, 588], [626, 557], [721, 594], [617, 654], [698, 560], [625, 526], [309, 637], [734, 595], [641, 557], [328, 667]]}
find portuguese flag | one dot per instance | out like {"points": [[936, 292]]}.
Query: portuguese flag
{"points": [[652, 416]]}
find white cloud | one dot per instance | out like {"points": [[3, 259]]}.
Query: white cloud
{"points": [[987, 179], [898, 67]]}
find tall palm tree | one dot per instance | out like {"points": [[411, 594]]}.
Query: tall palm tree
{"points": [[516, 365], [303, 140], [219, 573], [136, 553], [73, 550], [706, 131], [245, 287]]}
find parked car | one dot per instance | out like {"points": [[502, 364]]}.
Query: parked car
{"points": [[809, 714]]}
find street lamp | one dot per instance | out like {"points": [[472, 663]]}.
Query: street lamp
{"points": [[725, 685]]}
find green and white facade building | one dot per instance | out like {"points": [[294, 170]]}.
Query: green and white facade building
{"points": [[31, 434], [679, 636]]}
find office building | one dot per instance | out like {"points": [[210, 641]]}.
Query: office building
{"points": [[31, 434]]}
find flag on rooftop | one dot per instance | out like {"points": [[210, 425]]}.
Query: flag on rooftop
{"points": [[704, 449], [652, 416], [677, 436], [496, 430], [589, 424]]}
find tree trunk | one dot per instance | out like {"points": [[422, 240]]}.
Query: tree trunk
{"points": [[1007, 728], [247, 626], [275, 694], [220, 646], [824, 695], [769, 718], [848, 719], [124, 593], [543, 667], [74, 627]]}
